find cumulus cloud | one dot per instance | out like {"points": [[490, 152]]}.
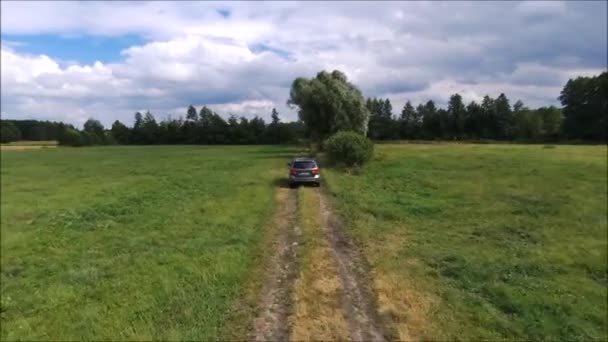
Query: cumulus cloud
{"points": [[240, 57]]}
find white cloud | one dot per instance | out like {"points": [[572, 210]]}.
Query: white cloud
{"points": [[194, 55]]}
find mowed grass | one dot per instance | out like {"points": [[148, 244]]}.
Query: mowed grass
{"points": [[131, 243], [490, 242]]}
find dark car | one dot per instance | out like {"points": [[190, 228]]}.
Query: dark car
{"points": [[304, 170]]}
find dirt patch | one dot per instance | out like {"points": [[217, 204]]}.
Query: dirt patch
{"points": [[271, 322], [359, 300]]}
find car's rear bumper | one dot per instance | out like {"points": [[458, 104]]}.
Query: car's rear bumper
{"points": [[313, 179]]}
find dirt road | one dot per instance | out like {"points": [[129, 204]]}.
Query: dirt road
{"points": [[317, 286]]}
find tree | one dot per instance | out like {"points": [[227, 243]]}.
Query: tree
{"points": [[474, 120], [275, 117], [443, 117], [191, 129], [191, 114], [381, 123], [257, 127], [94, 126], [272, 131], [527, 124], [120, 132], [457, 116], [488, 108], [149, 129], [387, 110], [504, 118], [329, 103], [39, 133], [585, 107], [95, 131], [430, 119], [71, 137], [9, 132], [410, 122], [205, 116], [551, 118], [136, 136]]}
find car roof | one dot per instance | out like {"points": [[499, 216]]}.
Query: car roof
{"points": [[304, 159]]}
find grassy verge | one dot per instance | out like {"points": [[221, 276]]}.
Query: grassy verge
{"points": [[477, 242], [130, 243]]}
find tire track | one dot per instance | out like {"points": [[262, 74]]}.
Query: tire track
{"points": [[359, 300]]}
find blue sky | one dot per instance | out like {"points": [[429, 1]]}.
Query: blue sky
{"points": [[73, 60], [83, 49]]}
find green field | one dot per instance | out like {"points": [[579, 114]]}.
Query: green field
{"points": [[130, 242], [161, 242], [484, 241]]}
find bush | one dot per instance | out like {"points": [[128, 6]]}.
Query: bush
{"points": [[348, 148], [70, 137]]}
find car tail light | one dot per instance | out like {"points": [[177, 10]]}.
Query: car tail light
{"points": [[316, 171], [292, 172]]}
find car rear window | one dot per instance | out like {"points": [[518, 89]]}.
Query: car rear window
{"points": [[304, 164]]}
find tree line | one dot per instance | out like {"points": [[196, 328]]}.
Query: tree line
{"points": [[583, 116], [199, 127], [14, 130], [492, 119]]}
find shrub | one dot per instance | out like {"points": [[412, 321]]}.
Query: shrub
{"points": [[88, 139], [349, 148], [70, 137]]}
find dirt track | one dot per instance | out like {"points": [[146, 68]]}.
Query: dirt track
{"points": [[276, 309], [271, 324], [359, 301]]}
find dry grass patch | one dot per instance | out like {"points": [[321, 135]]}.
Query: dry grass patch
{"points": [[405, 307], [24, 147], [318, 291]]}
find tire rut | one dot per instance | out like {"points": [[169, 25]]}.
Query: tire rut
{"points": [[359, 300], [272, 321]]}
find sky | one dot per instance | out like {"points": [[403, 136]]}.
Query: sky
{"points": [[70, 61]]}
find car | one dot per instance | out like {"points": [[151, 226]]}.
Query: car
{"points": [[304, 171]]}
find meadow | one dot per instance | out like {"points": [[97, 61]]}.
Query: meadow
{"points": [[471, 242], [130, 243], [463, 241]]}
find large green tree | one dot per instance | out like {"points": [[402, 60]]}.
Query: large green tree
{"points": [[329, 103], [585, 101]]}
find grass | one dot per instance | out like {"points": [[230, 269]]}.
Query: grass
{"points": [[466, 242], [131, 243], [490, 242]]}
